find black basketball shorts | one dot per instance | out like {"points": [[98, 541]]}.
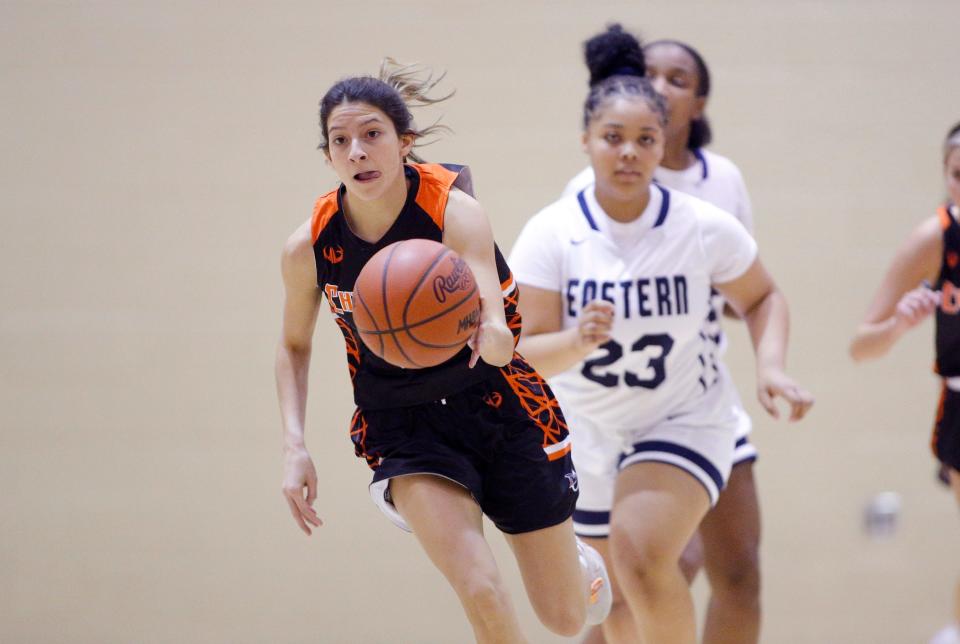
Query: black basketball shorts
{"points": [[504, 439], [946, 430]]}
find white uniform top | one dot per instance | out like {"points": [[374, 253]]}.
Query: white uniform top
{"points": [[657, 271], [713, 178]]}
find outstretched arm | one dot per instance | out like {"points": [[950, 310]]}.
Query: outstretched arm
{"points": [[301, 302], [756, 298], [900, 303]]}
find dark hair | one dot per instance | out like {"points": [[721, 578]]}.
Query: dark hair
{"points": [[952, 141], [700, 132], [617, 68], [398, 88]]}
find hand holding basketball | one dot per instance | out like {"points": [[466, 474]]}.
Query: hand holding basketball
{"points": [[488, 341]]}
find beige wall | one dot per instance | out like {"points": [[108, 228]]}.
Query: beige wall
{"points": [[154, 158]]}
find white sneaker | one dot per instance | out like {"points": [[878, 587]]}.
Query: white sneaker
{"points": [[947, 635], [595, 571]]}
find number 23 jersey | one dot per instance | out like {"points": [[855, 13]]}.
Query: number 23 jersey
{"points": [[657, 272]]}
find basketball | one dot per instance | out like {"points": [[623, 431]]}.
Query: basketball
{"points": [[416, 303]]}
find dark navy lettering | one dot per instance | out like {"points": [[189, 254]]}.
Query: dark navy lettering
{"points": [[663, 296], [659, 295], [589, 292], [571, 298]]}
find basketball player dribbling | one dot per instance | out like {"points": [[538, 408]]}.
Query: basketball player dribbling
{"points": [[923, 278], [728, 539], [478, 434], [617, 284]]}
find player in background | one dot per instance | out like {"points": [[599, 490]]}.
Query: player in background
{"points": [[478, 434], [728, 540], [923, 278], [617, 283]]}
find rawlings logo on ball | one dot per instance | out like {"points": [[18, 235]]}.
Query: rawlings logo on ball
{"points": [[459, 280]]}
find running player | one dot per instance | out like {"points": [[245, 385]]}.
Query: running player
{"points": [[731, 531], [925, 277], [617, 282], [478, 434]]}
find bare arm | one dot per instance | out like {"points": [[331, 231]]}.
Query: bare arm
{"points": [[900, 303], [550, 348], [467, 231], [756, 298], [301, 303]]}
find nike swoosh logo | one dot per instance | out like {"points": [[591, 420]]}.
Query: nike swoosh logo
{"points": [[577, 242]]}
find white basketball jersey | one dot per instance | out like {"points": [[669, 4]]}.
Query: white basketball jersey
{"points": [[657, 271], [713, 178]]}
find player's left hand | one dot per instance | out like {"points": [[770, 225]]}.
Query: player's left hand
{"points": [[299, 477], [491, 341], [772, 384]]}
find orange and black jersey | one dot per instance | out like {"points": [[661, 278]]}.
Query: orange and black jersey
{"points": [[948, 282], [340, 255]]}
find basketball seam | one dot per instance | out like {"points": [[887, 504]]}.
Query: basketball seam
{"points": [[373, 320], [406, 328], [427, 320], [430, 319], [433, 317], [444, 251], [386, 304]]}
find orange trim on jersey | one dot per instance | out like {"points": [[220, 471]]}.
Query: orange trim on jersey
{"points": [[325, 208], [945, 218], [537, 400], [352, 346], [358, 434], [511, 309], [435, 184], [555, 455]]}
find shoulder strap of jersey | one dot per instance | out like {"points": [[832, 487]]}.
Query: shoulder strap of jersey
{"points": [[436, 181], [325, 208]]}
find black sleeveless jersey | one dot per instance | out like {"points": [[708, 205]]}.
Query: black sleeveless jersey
{"points": [[948, 282], [340, 255]]}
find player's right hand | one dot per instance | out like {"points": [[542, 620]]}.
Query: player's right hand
{"points": [[299, 473], [915, 306], [595, 324]]}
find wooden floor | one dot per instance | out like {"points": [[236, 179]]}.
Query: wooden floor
{"points": [[156, 155]]}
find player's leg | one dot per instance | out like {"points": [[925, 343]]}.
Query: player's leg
{"points": [[448, 524], [530, 490], [619, 627], [954, 475], [731, 538], [564, 580], [657, 507], [591, 521], [946, 447], [691, 561]]}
